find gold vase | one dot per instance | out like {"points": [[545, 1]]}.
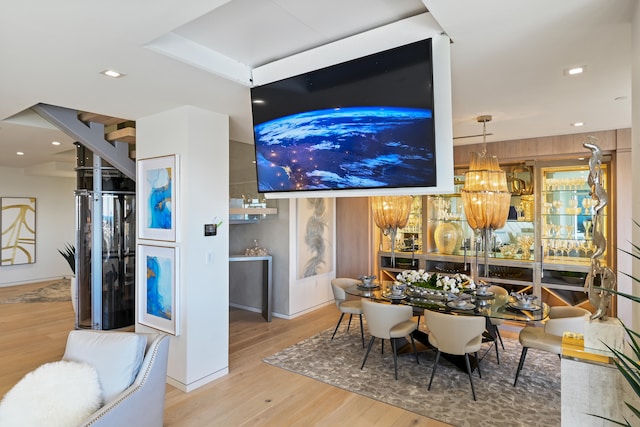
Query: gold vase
{"points": [[446, 238]]}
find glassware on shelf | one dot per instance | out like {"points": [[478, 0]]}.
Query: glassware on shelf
{"points": [[574, 248], [569, 230], [557, 204], [587, 228], [573, 208], [519, 212]]}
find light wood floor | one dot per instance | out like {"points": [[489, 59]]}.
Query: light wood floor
{"points": [[253, 394]]}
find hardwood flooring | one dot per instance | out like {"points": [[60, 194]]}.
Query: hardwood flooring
{"points": [[253, 394]]}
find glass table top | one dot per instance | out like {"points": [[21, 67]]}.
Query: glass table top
{"points": [[494, 306]]}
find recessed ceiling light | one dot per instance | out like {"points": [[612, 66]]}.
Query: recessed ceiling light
{"points": [[258, 101], [20, 153], [55, 143], [112, 73], [577, 124], [574, 71]]}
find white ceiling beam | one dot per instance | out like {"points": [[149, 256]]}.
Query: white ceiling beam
{"points": [[197, 55]]}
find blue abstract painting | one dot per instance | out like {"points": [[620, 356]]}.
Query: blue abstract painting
{"points": [[159, 286], [159, 198]]}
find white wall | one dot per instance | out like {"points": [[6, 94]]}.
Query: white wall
{"points": [[199, 354], [55, 224]]}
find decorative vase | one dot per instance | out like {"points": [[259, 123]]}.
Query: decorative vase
{"points": [[446, 238]]}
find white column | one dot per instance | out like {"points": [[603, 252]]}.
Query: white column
{"points": [[200, 353]]}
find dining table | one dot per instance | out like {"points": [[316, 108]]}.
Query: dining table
{"points": [[476, 303], [471, 302]]}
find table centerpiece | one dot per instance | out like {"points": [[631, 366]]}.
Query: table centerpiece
{"points": [[422, 283]]}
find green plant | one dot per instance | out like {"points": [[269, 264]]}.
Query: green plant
{"points": [[69, 253], [628, 365]]}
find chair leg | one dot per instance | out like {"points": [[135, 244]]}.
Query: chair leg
{"points": [[433, 371], [338, 325], [478, 365], [382, 346], [361, 331], [466, 359], [368, 350], [494, 334], [523, 355], [499, 337], [395, 356], [415, 350], [349, 324]]}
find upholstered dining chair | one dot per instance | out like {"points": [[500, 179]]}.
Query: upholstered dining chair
{"points": [[456, 335], [498, 292], [350, 307], [389, 322], [549, 337]]}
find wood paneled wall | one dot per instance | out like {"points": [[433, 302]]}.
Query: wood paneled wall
{"points": [[543, 148], [354, 237]]}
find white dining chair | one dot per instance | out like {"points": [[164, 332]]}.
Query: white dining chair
{"points": [[549, 337], [346, 306], [456, 335], [389, 322]]}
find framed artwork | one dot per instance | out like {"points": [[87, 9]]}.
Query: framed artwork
{"points": [[18, 225], [315, 234], [157, 186], [158, 287]]}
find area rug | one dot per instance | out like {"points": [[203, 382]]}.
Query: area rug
{"points": [[53, 292], [534, 402]]}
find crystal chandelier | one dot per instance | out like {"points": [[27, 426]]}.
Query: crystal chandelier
{"points": [[485, 196], [391, 213]]}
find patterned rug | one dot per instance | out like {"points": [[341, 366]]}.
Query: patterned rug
{"points": [[53, 292], [534, 402]]}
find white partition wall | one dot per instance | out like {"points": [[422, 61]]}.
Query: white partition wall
{"points": [[312, 254], [199, 352]]}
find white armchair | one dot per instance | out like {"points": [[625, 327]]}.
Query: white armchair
{"points": [[142, 403], [105, 379]]}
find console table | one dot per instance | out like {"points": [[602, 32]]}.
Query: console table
{"points": [[267, 261]]}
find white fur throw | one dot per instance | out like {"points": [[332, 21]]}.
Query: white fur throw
{"points": [[57, 394]]}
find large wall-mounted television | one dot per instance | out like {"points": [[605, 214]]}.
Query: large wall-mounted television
{"points": [[369, 126]]}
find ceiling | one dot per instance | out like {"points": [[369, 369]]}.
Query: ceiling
{"points": [[508, 60]]}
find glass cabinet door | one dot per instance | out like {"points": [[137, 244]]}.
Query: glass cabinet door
{"points": [[566, 226], [566, 216]]}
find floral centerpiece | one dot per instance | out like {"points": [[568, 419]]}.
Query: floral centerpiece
{"points": [[438, 282]]}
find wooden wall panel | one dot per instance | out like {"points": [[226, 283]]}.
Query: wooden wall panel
{"points": [[543, 148], [354, 237]]}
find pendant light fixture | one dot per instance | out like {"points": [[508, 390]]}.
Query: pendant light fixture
{"points": [[391, 213], [485, 196]]}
